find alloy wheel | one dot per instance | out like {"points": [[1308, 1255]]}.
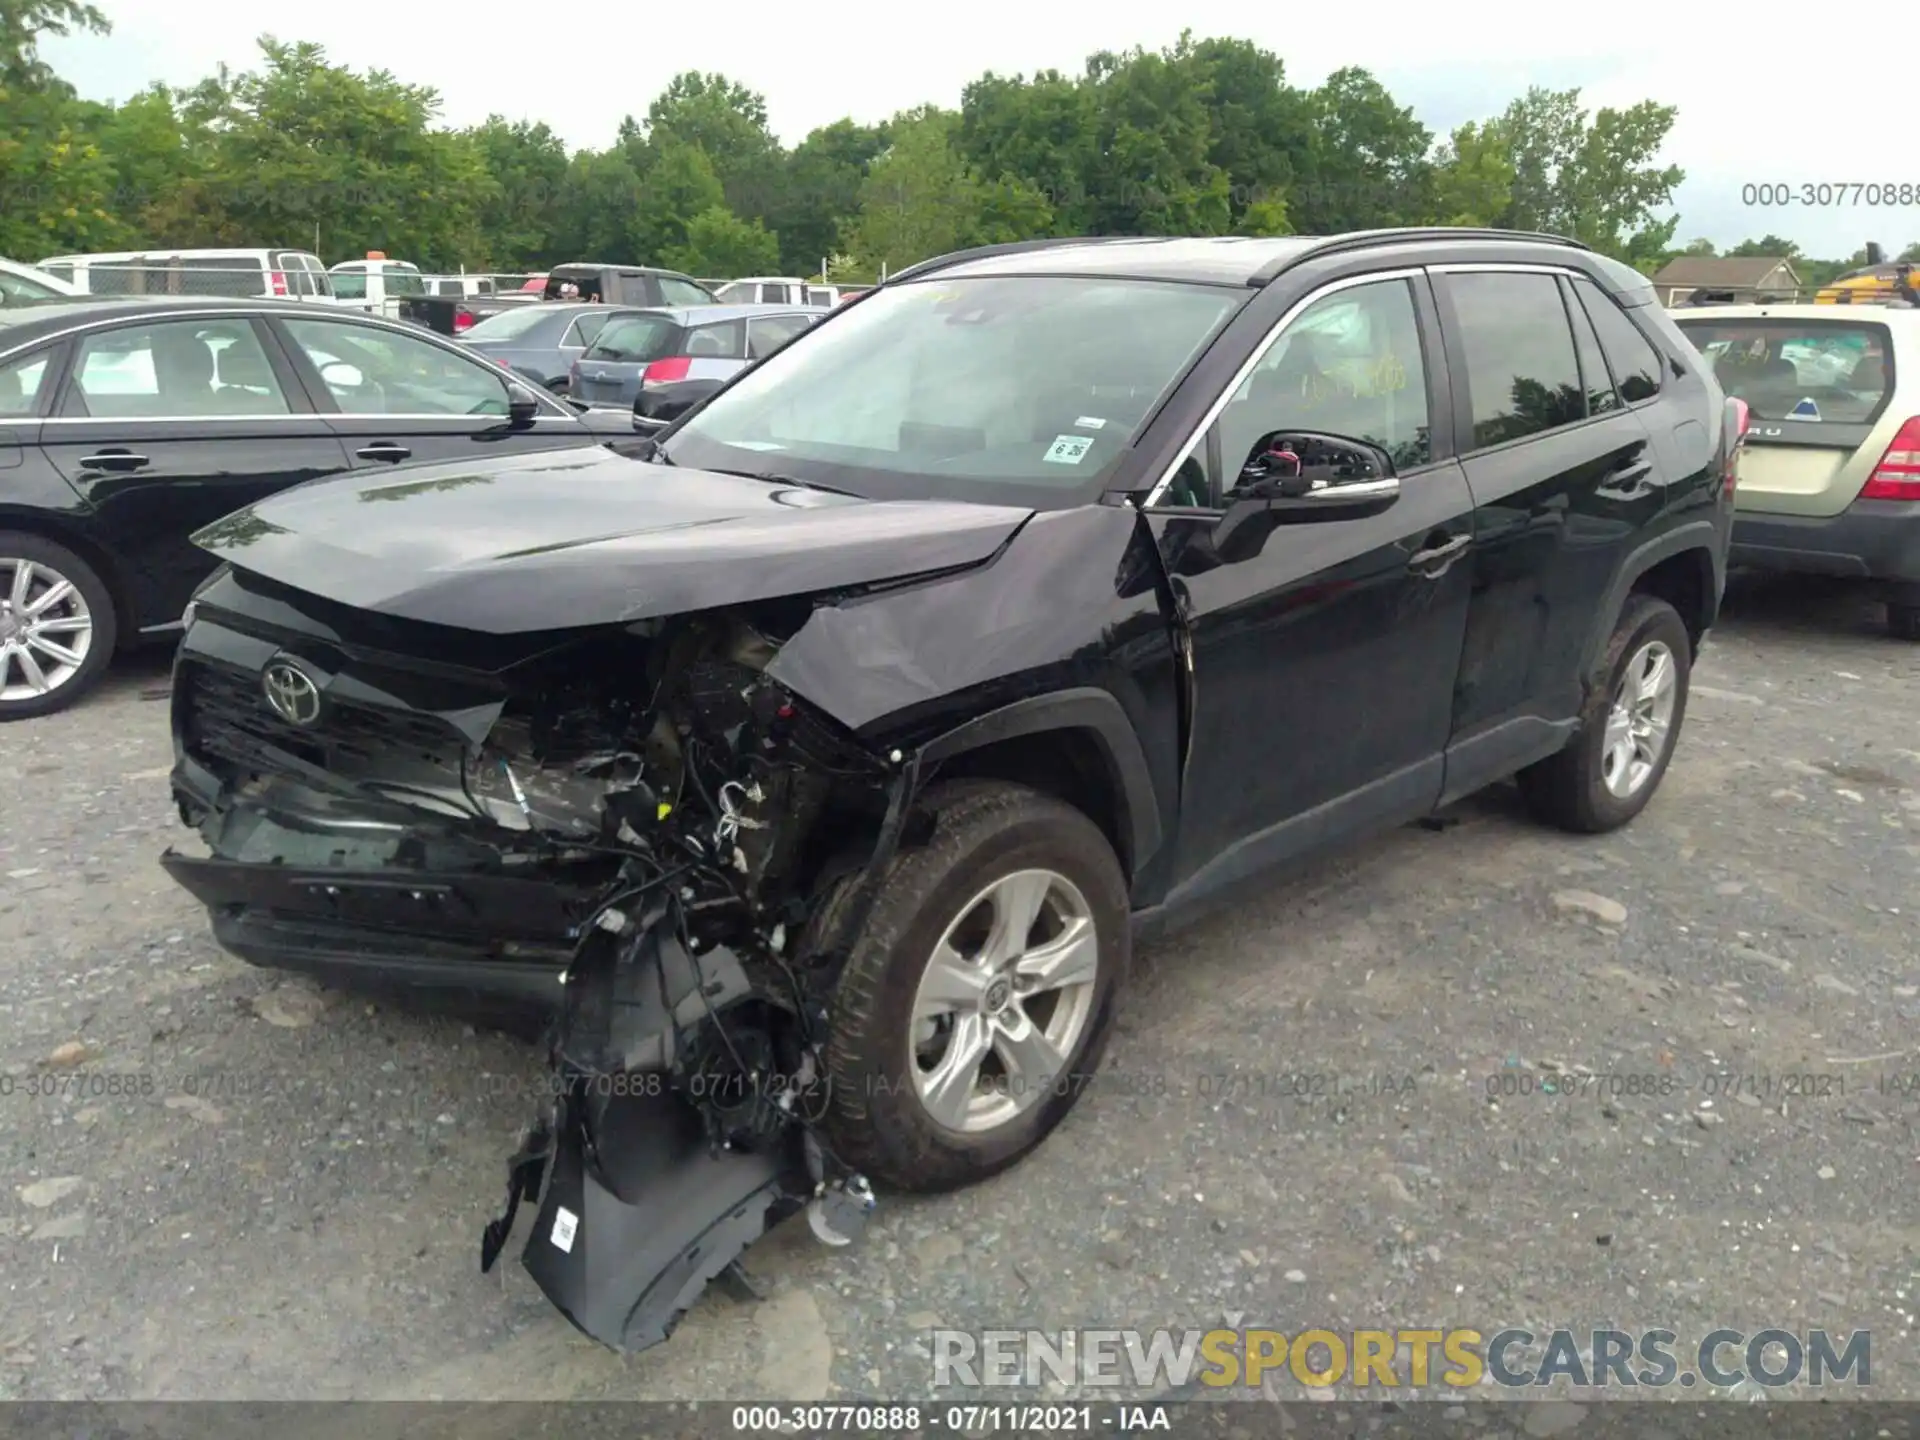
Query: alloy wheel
{"points": [[1005, 1000], [46, 629], [1640, 720]]}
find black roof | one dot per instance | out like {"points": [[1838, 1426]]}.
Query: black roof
{"points": [[1216, 260]]}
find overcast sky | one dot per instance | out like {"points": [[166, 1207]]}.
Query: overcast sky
{"points": [[1744, 116]]}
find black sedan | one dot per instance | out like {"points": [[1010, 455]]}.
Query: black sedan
{"points": [[127, 425]]}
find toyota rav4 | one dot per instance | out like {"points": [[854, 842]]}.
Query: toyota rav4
{"points": [[814, 767]]}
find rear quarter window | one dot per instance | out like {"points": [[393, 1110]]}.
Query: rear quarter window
{"points": [[1831, 371]]}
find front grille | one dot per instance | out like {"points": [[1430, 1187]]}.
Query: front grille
{"points": [[226, 718]]}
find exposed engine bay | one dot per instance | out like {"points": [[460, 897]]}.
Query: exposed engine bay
{"points": [[703, 808]]}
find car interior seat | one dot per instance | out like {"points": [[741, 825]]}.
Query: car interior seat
{"points": [[245, 380], [183, 369]]}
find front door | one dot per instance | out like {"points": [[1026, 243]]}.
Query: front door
{"points": [[1322, 661], [395, 397], [167, 426]]}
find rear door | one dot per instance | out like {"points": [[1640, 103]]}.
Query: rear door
{"points": [[1565, 477], [167, 426], [1820, 394], [392, 396]]}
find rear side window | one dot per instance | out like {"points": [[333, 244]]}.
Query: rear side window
{"points": [[1813, 370], [239, 276], [635, 339], [1521, 369], [1601, 396], [766, 336], [726, 341], [1635, 363]]}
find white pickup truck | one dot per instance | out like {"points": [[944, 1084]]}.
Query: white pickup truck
{"points": [[376, 284]]}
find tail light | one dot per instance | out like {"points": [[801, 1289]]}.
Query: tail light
{"points": [[1742, 421], [278, 280], [1897, 476], [462, 320], [665, 372]]}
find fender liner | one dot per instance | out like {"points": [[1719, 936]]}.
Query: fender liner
{"points": [[1082, 708], [1704, 535]]}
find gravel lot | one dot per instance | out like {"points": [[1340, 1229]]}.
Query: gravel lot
{"points": [[307, 1225]]}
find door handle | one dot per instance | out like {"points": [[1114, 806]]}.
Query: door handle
{"points": [[115, 460], [1438, 555], [1628, 477], [384, 450]]}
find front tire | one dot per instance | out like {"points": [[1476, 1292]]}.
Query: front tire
{"points": [[1628, 729], [982, 991], [57, 626]]}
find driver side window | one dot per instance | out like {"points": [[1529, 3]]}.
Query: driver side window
{"points": [[375, 371], [1348, 365]]}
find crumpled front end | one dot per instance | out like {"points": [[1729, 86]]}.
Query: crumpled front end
{"points": [[634, 826]]}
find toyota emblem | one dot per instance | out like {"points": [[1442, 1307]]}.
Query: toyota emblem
{"points": [[293, 696]]}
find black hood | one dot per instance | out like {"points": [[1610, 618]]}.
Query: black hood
{"points": [[574, 537]]}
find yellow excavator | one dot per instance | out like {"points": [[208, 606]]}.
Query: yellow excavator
{"points": [[1875, 283]]}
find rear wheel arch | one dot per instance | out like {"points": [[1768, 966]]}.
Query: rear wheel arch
{"points": [[1075, 745], [1677, 567]]}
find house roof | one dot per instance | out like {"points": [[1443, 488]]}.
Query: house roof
{"points": [[1725, 270]]}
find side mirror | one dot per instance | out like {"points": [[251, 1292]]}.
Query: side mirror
{"points": [[522, 405], [1298, 478]]}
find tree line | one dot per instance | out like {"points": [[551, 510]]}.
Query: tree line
{"points": [[1206, 137]]}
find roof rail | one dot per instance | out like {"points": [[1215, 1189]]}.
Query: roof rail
{"points": [[1016, 247], [1363, 239]]}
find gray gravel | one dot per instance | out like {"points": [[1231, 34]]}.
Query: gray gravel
{"points": [[303, 1221]]}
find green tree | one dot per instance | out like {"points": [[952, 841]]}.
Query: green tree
{"points": [[1367, 165], [819, 188], [679, 185], [1910, 255], [728, 123], [1473, 177], [1151, 174], [1261, 130], [1592, 179], [918, 199], [1767, 247], [720, 243], [527, 164], [56, 183]]}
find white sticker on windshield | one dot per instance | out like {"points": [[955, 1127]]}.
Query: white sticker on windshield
{"points": [[1090, 422], [565, 1223], [1068, 449]]}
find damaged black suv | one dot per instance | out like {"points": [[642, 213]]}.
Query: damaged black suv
{"points": [[815, 767]]}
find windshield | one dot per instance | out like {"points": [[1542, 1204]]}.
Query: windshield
{"points": [[1007, 390], [1813, 370], [510, 324], [632, 339]]}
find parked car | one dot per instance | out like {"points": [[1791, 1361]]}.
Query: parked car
{"points": [[28, 285], [1831, 482], [1048, 591], [603, 284], [127, 425], [238, 274], [376, 284], [541, 342], [675, 357], [777, 290]]}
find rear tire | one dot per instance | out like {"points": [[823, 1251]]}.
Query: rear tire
{"points": [[1628, 730], [1903, 621], [50, 597], [947, 967]]}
